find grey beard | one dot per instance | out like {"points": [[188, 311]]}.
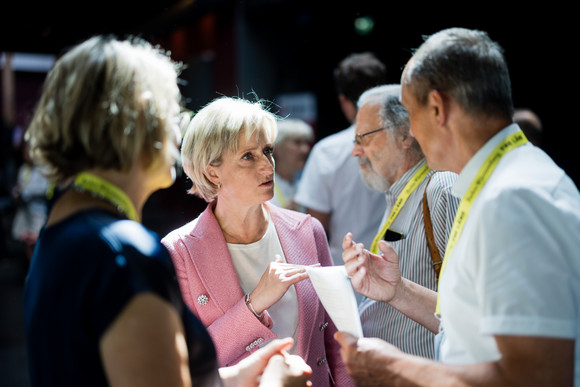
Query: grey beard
{"points": [[372, 180]]}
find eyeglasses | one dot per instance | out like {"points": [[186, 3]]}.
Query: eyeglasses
{"points": [[358, 137]]}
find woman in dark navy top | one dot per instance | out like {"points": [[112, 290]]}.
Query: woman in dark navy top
{"points": [[102, 303]]}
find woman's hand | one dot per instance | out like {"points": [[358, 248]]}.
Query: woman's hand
{"points": [[275, 281], [269, 366], [286, 371]]}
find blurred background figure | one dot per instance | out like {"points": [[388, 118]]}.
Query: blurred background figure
{"points": [[31, 201], [331, 188], [292, 147], [530, 124], [8, 158]]}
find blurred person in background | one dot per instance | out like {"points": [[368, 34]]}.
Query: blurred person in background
{"points": [[331, 188], [291, 150], [30, 195], [530, 124]]}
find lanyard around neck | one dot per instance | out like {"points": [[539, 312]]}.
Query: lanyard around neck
{"points": [[411, 185], [482, 176], [102, 189], [280, 196]]}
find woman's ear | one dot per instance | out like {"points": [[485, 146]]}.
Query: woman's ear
{"points": [[212, 174]]}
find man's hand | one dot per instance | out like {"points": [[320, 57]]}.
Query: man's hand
{"points": [[366, 359], [374, 276], [525, 361]]}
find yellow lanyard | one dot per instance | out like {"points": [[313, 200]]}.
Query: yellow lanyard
{"points": [[103, 189], [280, 196], [407, 191], [510, 143]]}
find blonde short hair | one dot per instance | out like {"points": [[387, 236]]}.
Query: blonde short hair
{"points": [[214, 131], [105, 104]]}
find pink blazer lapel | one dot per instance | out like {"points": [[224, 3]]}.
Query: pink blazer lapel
{"points": [[297, 239], [213, 262], [296, 236]]}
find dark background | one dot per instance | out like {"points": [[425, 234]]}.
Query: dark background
{"points": [[274, 47], [234, 47]]}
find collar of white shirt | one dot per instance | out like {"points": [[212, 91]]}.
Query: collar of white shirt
{"points": [[470, 170]]}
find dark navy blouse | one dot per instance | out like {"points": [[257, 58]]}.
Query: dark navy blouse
{"points": [[84, 271]]}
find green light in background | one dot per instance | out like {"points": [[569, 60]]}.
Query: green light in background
{"points": [[364, 25]]}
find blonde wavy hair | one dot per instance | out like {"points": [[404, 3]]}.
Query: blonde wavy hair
{"points": [[105, 104], [214, 131]]}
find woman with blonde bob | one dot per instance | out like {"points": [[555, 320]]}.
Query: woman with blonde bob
{"points": [[102, 306], [240, 264]]}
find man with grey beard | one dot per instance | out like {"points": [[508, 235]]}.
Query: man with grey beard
{"points": [[419, 214]]}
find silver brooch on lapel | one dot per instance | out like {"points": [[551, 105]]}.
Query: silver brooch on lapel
{"points": [[202, 300]]}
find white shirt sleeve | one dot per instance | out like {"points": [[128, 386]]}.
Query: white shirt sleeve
{"points": [[528, 287]]}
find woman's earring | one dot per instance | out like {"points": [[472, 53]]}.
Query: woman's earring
{"points": [[219, 185]]}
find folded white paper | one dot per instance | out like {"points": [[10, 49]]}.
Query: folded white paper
{"points": [[337, 296]]}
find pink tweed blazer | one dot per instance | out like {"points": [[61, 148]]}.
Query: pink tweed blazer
{"points": [[211, 289]]}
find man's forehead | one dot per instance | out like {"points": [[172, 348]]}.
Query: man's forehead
{"points": [[369, 112]]}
